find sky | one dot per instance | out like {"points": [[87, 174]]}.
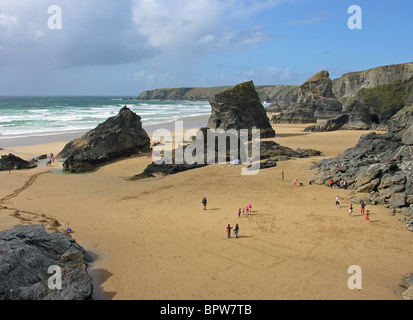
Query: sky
{"points": [[124, 47]]}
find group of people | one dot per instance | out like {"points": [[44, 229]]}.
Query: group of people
{"points": [[236, 230], [362, 209], [247, 210]]}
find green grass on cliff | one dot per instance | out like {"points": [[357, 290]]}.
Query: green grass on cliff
{"points": [[388, 99]]}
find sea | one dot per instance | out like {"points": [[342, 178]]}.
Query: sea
{"points": [[22, 117]]}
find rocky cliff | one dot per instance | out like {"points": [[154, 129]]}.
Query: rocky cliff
{"points": [[118, 137], [380, 164], [266, 93]]}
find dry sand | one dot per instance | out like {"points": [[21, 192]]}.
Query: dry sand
{"points": [[155, 241]]}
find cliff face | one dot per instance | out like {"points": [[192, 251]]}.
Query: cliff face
{"points": [[266, 93], [349, 84]]}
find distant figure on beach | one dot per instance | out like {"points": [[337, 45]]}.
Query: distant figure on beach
{"points": [[229, 231], [49, 163], [239, 212], [250, 208], [51, 158], [9, 170], [204, 202], [350, 210], [337, 201], [367, 216], [282, 176], [295, 182], [236, 229], [247, 210], [330, 183], [362, 207]]}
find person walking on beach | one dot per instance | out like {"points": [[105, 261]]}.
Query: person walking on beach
{"points": [[236, 229], [337, 201], [229, 231], [204, 203], [282, 176], [239, 212], [350, 210], [247, 209], [250, 208]]}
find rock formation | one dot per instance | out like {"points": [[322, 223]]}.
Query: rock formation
{"points": [[269, 154], [315, 100], [380, 164], [240, 108], [118, 137], [12, 162], [27, 253]]}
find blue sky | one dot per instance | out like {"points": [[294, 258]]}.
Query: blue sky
{"points": [[123, 47]]}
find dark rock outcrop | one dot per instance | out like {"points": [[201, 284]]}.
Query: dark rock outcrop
{"points": [[12, 162], [269, 154], [380, 164], [118, 137], [27, 253], [240, 108]]}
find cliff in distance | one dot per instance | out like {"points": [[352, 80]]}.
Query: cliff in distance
{"points": [[266, 93]]}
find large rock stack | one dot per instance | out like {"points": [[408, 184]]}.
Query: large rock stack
{"points": [[380, 164], [27, 253], [240, 108], [118, 137], [315, 100]]}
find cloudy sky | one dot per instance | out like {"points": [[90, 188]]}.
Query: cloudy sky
{"points": [[123, 47]]}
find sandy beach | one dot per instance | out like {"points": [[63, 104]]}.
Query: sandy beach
{"points": [[155, 241]]}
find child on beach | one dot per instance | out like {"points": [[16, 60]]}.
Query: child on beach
{"points": [[367, 216], [337, 201], [236, 229], [362, 207], [204, 202], [249, 207], [350, 210], [229, 231], [247, 210]]}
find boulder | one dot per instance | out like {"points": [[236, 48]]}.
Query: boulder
{"points": [[27, 253], [240, 108], [118, 137], [12, 162]]}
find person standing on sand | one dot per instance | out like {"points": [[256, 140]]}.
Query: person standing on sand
{"points": [[337, 201], [239, 212], [250, 208], [362, 207], [204, 203], [367, 216], [229, 231], [236, 229], [282, 176], [350, 210]]}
